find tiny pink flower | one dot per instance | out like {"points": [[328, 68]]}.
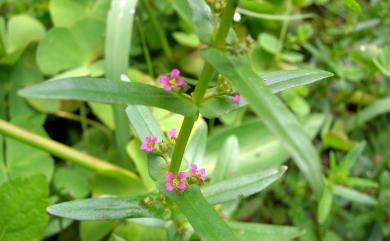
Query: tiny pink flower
{"points": [[172, 81], [378, 157], [236, 98], [177, 182], [172, 133], [150, 142], [199, 174]]}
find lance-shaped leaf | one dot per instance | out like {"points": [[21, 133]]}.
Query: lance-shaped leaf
{"points": [[241, 186], [277, 81], [273, 112], [202, 216], [100, 209], [265, 232], [111, 92], [353, 195], [227, 160]]}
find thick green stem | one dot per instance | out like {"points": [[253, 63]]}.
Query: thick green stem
{"points": [[201, 87], [65, 152]]}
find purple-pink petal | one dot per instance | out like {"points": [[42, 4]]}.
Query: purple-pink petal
{"points": [[172, 132], [148, 139], [181, 82], [169, 176], [236, 99], [154, 139], [169, 187], [181, 186], [149, 149], [144, 146], [194, 167], [164, 79], [181, 175], [167, 87], [202, 171], [175, 73]]}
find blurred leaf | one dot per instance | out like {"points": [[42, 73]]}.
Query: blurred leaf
{"points": [[325, 204], [353, 195], [353, 5], [202, 20], [71, 181], [265, 232], [202, 216], [350, 159], [111, 92], [377, 108], [360, 182], [100, 209], [22, 210], [141, 162], [65, 13], [227, 160], [241, 186], [196, 147], [96, 230], [22, 30], [189, 40], [131, 231], [274, 17], [270, 43], [272, 111], [56, 225]]}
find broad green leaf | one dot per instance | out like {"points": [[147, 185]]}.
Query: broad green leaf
{"points": [[22, 30], [196, 146], [100, 209], [227, 160], [65, 13], [325, 204], [202, 20], [22, 210], [202, 216], [241, 186], [110, 92], [272, 111], [58, 51], [286, 79], [377, 108], [265, 232], [353, 195], [277, 81]]}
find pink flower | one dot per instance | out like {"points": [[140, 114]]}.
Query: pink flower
{"points": [[150, 142], [172, 133], [236, 98], [172, 81], [199, 174], [177, 182]]}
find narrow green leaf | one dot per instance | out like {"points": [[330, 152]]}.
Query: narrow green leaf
{"points": [[379, 107], [100, 209], [110, 92], [265, 232], [286, 79], [277, 81], [325, 204], [273, 112], [350, 159], [273, 16], [202, 216], [353, 195], [227, 160], [242, 186], [353, 5]]}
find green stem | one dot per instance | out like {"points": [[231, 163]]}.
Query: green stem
{"points": [[145, 48], [159, 30], [201, 87], [65, 152]]}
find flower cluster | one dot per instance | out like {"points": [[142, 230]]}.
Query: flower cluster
{"points": [[180, 181], [150, 143], [173, 81]]}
